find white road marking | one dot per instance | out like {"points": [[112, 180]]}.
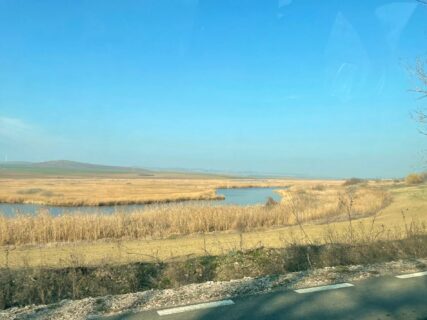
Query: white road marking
{"points": [[195, 307], [412, 275], [324, 288]]}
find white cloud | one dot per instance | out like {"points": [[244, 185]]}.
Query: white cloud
{"points": [[22, 140], [14, 131]]}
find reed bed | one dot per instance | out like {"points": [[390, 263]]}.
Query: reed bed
{"points": [[163, 221], [101, 192]]}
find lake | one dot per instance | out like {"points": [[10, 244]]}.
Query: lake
{"points": [[248, 196], [238, 196]]}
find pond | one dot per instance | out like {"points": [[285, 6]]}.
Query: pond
{"points": [[248, 196], [238, 196]]}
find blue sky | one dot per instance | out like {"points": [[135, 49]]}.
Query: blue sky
{"points": [[312, 88]]}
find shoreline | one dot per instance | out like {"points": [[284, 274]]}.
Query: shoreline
{"points": [[111, 203]]}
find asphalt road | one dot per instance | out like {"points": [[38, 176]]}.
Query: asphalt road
{"points": [[375, 298]]}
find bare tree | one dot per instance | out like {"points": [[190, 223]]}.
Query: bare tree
{"points": [[420, 74]]}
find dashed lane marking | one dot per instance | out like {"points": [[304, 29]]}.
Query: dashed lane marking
{"points": [[324, 288], [412, 275], [195, 307]]}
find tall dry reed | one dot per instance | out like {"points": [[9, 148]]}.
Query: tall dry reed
{"points": [[162, 221]]}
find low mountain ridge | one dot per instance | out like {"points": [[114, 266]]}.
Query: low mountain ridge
{"points": [[68, 164], [68, 168], [59, 168]]}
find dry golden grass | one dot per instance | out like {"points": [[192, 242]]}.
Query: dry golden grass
{"points": [[331, 203], [96, 192], [386, 223], [162, 221]]}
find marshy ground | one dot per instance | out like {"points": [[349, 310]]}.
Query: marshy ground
{"points": [[317, 223], [310, 211], [116, 191]]}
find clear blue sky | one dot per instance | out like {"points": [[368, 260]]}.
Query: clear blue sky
{"points": [[313, 88]]}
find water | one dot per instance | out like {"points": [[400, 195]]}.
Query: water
{"points": [[240, 196], [11, 209], [248, 196]]}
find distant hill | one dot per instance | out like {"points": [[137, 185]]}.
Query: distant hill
{"points": [[74, 165], [67, 168], [61, 168]]}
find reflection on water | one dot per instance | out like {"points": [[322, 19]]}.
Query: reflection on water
{"points": [[248, 196]]}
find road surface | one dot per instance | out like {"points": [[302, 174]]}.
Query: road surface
{"points": [[376, 298]]}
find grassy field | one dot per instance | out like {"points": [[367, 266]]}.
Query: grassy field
{"points": [[107, 191], [165, 221], [45, 259], [68, 183], [62, 169], [318, 212], [44, 285]]}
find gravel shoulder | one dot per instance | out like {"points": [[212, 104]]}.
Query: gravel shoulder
{"points": [[91, 308]]}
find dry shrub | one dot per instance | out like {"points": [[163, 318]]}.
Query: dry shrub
{"points": [[270, 202], [353, 181], [30, 191], [319, 187], [415, 178]]}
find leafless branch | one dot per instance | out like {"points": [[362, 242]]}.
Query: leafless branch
{"points": [[419, 72]]}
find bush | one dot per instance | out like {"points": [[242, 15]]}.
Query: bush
{"points": [[270, 202], [318, 187], [415, 178], [353, 181]]}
